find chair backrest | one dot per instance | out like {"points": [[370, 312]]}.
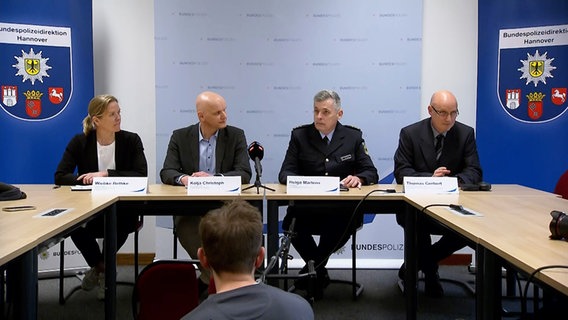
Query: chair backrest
{"points": [[562, 185], [211, 289], [165, 289]]}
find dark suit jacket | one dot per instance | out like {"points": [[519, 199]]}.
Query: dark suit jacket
{"points": [[231, 157], [81, 153], [416, 156], [346, 154]]}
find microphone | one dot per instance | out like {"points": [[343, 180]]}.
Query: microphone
{"points": [[256, 153], [255, 150]]}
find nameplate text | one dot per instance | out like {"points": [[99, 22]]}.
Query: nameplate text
{"points": [[129, 185], [214, 185], [430, 185], [312, 185]]}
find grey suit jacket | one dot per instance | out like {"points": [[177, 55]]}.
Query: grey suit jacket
{"points": [[183, 154]]}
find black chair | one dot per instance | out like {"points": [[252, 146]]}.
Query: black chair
{"points": [[467, 287], [62, 296], [356, 288], [175, 247], [267, 276]]}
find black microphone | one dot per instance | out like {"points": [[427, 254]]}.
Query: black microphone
{"points": [[255, 150], [256, 153]]}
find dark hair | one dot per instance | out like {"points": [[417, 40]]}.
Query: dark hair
{"points": [[231, 237]]}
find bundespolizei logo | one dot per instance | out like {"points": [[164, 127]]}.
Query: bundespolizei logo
{"points": [[532, 77], [35, 70]]}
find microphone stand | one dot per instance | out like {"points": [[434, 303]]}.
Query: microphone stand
{"points": [[257, 184], [281, 253]]}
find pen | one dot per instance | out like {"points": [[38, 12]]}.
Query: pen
{"points": [[359, 186]]}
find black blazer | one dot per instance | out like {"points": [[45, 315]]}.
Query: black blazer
{"points": [[346, 154], [182, 157], [415, 155], [81, 154]]}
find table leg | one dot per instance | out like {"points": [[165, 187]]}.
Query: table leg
{"points": [[488, 284], [22, 283], [110, 262], [411, 262]]}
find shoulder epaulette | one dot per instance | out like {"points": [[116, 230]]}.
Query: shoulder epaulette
{"points": [[302, 126], [352, 127]]}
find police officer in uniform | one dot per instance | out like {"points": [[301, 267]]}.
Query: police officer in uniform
{"points": [[325, 148]]}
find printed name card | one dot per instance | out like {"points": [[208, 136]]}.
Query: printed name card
{"points": [[312, 185], [431, 185], [214, 185], [138, 185]]}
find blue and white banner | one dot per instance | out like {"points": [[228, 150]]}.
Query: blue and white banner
{"points": [[522, 121], [46, 82], [38, 85], [530, 87]]}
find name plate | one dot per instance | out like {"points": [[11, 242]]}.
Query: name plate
{"points": [[431, 185], [312, 185], [138, 185], [214, 185]]}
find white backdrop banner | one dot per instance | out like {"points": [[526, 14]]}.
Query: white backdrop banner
{"points": [[269, 58]]}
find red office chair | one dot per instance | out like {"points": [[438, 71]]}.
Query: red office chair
{"points": [[562, 185], [165, 289]]}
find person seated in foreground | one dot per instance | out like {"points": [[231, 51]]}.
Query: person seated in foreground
{"points": [[231, 250]]}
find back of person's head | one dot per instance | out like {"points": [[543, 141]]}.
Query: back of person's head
{"points": [[231, 237], [328, 94], [97, 107]]}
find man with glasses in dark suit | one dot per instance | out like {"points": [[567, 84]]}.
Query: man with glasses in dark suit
{"points": [[437, 146]]}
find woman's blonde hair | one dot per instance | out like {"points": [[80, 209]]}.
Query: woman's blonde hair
{"points": [[97, 106]]}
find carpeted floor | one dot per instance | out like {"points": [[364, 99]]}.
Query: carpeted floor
{"points": [[381, 298]]}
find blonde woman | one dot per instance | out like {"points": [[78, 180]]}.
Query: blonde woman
{"points": [[102, 150]]}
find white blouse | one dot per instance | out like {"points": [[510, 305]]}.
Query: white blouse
{"points": [[106, 156]]}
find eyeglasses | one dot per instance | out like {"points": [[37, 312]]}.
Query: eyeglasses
{"points": [[445, 114]]}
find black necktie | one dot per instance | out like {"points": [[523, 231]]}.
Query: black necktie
{"points": [[326, 140], [439, 143]]}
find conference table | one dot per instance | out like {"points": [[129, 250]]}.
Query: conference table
{"points": [[24, 232], [513, 227]]}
